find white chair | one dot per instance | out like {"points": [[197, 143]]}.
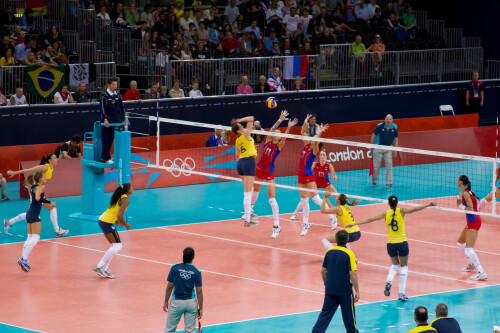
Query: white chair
{"points": [[446, 108]]}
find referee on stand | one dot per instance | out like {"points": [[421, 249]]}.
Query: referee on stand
{"points": [[339, 276], [112, 111]]}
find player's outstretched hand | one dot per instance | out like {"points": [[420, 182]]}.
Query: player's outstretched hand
{"points": [[283, 115], [234, 120], [293, 122]]}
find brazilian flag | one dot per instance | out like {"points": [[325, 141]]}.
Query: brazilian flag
{"points": [[44, 81]]}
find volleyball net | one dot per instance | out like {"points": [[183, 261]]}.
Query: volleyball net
{"points": [[182, 149]]}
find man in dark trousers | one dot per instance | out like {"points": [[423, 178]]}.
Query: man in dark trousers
{"points": [[339, 275], [474, 97], [112, 111]]}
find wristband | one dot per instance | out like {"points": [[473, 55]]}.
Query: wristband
{"points": [[43, 200], [461, 206]]}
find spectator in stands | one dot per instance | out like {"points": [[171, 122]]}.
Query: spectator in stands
{"points": [[257, 46], [3, 186], [190, 34], [290, 25], [244, 88], [152, 92], [210, 14], [306, 49], [386, 13], [357, 48], [194, 9], [421, 317], [312, 127], [230, 45], [202, 33], [147, 16], [197, 19], [443, 323], [35, 47], [44, 58], [120, 21], [298, 85], [18, 98], [71, 148], [323, 18], [132, 94], [176, 91], [194, 92], [350, 10], [53, 35], [231, 12], [16, 33], [178, 10], [201, 51], [164, 92], [8, 59], [162, 59], [28, 21], [274, 17], [372, 6], [186, 52], [338, 24], [31, 59], [162, 27], [132, 16], [3, 99], [177, 55], [104, 16], [156, 42], [213, 33], [157, 14], [262, 87], [362, 13], [117, 9], [246, 45], [63, 96], [377, 23], [275, 51], [304, 20], [56, 53], [274, 81], [326, 38], [287, 49], [474, 97], [22, 51], [218, 139], [8, 18], [185, 22], [139, 33], [410, 22], [269, 41], [254, 11], [22, 38], [393, 24], [253, 28], [384, 134], [6, 45], [398, 7], [81, 95], [378, 48], [112, 111], [171, 21], [316, 8]]}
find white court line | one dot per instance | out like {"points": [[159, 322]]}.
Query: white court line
{"points": [[311, 254], [203, 270]]}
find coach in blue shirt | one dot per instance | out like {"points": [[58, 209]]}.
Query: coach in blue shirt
{"points": [[339, 276], [182, 280], [385, 134], [443, 323]]}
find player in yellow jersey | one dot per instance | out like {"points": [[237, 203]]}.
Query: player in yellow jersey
{"points": [[46, 166], [344, 217], [397, 243], [114, 214], [246, 155]]}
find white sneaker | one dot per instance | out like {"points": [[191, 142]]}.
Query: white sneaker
{"points": [[251, 222], [253, 216], [293, 217], [305, 228], [276, 232], [110, 161], [100, 272], [479, 276], [108, 274], [6, 226], [333, 221], [61, 232], [469, 268]]}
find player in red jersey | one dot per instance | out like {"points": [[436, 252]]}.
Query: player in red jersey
{"points": [[321, 170], [265, 168], [306, 178], [489, 197], [467, 201]]}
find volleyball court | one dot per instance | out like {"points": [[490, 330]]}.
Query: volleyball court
{"points": [[252, 282]]}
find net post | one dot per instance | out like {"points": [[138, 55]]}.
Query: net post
{"points": [[493, 188], [127, 115]]}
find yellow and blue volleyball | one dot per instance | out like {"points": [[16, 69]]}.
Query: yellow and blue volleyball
{"points": [[272, 102]]}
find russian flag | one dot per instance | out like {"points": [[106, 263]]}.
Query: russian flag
{"points": [[295, 66]]}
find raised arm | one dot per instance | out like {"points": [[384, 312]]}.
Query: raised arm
{"points": [[432, 203], [370, 220], [322, 129], [303, 131], [248, 130], [333, 210], [41, 168], [290, 125]]}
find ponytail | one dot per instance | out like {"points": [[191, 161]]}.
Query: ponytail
{"points": [[465, 180], [117, 194], [46, 158], [33, 179], [344, 201], [393, 203]]}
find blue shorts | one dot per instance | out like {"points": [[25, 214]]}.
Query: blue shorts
{"points": [[107, 228], [398, 249], [354, 236], [246, 166], [32, 217]]}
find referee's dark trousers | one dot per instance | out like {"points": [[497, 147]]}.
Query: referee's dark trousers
{"points": [[330, 306], [107, 136]]}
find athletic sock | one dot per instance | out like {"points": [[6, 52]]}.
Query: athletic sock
{"points": [[34, 239], [305, 210], [276, 211], [462, 246], [326, 243], [392, 273], [255, 196], [247, 205], [106, 258], [53, 219], [25, 246], [299, 208], [403, 275], [18, 218], [469, 251]]}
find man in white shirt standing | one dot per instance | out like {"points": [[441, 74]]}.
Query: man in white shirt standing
{"points": [[231, 12], [291, 24]]}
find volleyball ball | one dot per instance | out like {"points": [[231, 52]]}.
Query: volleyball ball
{"points": [[272, 102]]}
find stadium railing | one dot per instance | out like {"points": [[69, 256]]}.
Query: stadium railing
{"points": [[492, 70]]}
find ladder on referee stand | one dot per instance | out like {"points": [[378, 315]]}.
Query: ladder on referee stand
{"points": [[93, 176]]}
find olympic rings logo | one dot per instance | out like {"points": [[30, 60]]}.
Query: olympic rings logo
{"points": [[179, 167], [185, 275]]}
